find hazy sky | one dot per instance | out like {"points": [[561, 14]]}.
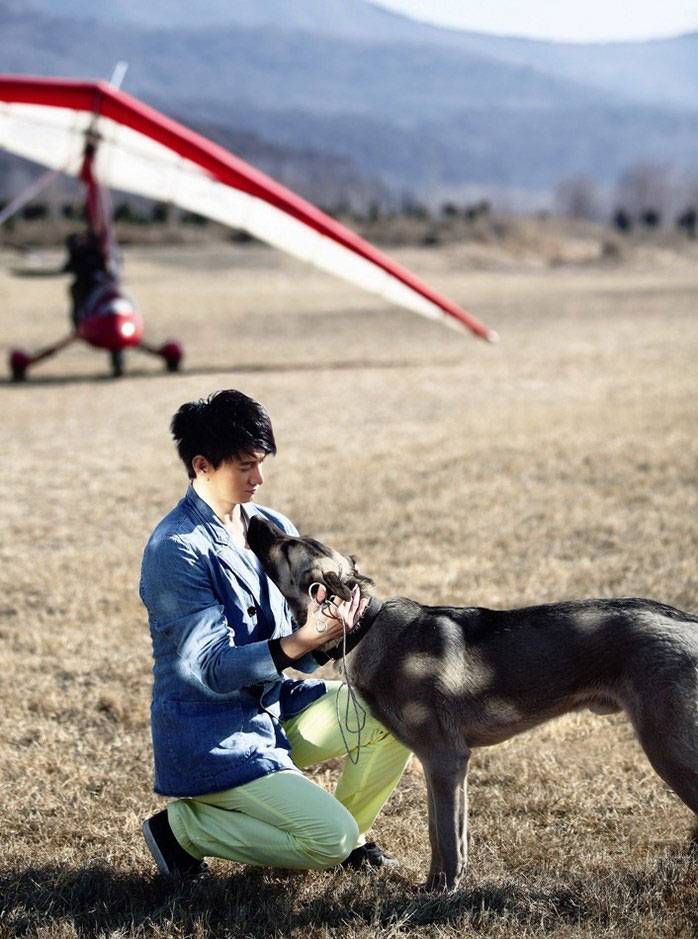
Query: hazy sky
{"points": [[574, 20]]}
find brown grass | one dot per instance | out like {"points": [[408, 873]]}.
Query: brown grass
{"points": [[561, 463]]}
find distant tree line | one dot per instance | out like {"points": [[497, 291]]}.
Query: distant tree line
{"points": [[157, 213], [470, 212], [161, 213], [647, 196], [685, 221], [409, 207]]}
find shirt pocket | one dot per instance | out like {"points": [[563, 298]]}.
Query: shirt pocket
{"points": [[196, 728]]}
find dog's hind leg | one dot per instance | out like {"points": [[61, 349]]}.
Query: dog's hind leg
{"points": [[668, 761], [446, 772], [667, 728]]}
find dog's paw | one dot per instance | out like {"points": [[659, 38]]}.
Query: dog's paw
{"points": [[435, 883]]}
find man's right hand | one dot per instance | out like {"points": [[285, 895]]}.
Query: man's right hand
{"points": [[340, 616]]}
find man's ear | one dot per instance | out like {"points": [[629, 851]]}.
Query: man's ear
{"points": [[200, 464], [335, 587]]}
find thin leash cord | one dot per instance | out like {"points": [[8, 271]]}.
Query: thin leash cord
{"points": [[352, 700], [360, 714]]}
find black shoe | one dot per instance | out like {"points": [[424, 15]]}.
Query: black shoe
{"points": [[369, 855], [171, 858]]}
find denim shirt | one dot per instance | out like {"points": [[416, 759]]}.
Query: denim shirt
{"points": [[218, 700]]}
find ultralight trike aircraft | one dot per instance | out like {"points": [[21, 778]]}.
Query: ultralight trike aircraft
{"points": [[106, 138], [102, 314]]}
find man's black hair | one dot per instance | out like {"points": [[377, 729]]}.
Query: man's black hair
{"points": [[221, 427]]}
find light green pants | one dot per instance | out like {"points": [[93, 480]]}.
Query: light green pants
{"points": [[286, 820]]}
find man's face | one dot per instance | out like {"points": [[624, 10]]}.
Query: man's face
{"points": [[237, 480]]}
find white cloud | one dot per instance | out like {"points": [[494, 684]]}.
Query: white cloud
{"points": [[568, 20]]}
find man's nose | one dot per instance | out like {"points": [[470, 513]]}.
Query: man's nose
{"points": [[257, 477]]}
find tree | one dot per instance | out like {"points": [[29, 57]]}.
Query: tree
{"points": [[650, 218], [411, 208], [477, 210], [622, 221], [646, 187], [688, 221], [193, 218], [125, 212], [577, 197], [374, 210], [35, 212], [160, 214], [122, 212]]}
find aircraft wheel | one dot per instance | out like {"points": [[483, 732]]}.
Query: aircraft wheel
{"points": [[19, 362], [117, 362], [172, 353]]}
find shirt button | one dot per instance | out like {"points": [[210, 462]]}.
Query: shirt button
{"points": [[251, 611]]}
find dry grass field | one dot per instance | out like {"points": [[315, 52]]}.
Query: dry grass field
{"points": [[561, 463]]}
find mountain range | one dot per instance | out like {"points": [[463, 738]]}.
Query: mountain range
{"points": [[405, 106]]}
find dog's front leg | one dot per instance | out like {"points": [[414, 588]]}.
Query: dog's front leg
{"points": [[437, 863], [446, 773]]}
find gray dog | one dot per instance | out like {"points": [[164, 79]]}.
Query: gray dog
{"points": [[446, 679]]}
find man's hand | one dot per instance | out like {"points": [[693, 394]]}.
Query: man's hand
{"points": [[322, 627]]}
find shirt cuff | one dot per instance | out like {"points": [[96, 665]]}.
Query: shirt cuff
{"points": [[281, 660]]}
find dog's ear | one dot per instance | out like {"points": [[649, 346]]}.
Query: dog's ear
{"points": [[335, 587]]}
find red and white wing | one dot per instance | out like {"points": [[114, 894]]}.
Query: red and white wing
{"points": [[143, 152]]}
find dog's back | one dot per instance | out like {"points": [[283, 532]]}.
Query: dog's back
{"points": [[485, 675]]}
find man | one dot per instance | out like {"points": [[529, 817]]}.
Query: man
{"points": [[88, 265], [230, 733]]}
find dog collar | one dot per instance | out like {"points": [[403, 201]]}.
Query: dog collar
{"points": [[353, 638]]}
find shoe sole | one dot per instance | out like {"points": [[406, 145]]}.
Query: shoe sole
{"points": [[155, 850]]}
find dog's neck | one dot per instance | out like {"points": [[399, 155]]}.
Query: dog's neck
{"points": [[361, 628], [368, 617]]}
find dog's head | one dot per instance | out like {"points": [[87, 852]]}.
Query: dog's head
{"points": [[295, 563]]}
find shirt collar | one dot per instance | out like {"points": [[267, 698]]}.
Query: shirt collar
{"points": [[254, 579], [203, 513]]}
